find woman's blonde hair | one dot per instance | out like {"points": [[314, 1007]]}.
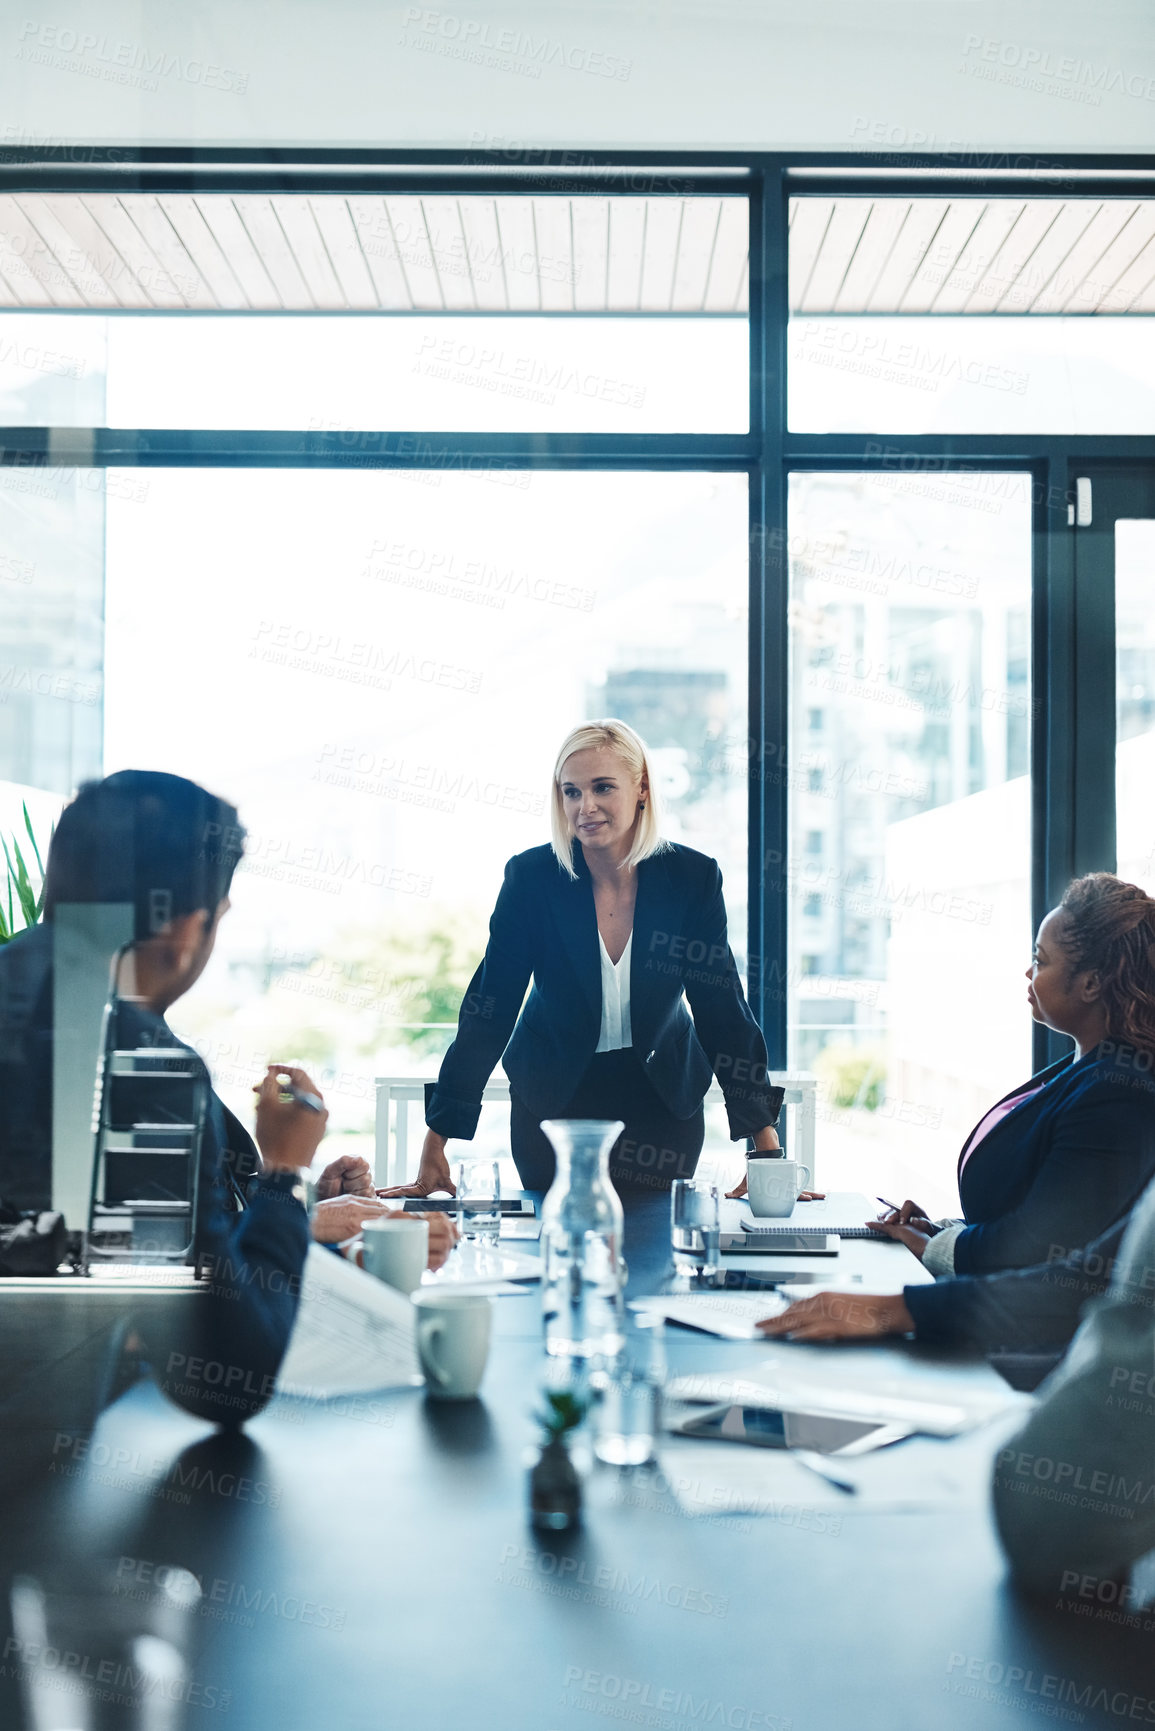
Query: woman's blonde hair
{"points": [[618, 737]]}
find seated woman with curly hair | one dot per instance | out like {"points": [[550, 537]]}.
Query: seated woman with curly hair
{"points": [[1062, 1158]]}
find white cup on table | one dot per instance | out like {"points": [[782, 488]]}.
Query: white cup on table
{"points": [[453, 1330], [773, 1186], [396, 1251]]}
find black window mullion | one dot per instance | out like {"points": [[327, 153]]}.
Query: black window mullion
{"points": [[1052, 712], [769, 694]]}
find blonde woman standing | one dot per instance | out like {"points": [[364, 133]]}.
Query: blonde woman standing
{"points": [[617, 929]]}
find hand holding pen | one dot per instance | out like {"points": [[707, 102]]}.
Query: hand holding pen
{"points": [[291, 1117]]}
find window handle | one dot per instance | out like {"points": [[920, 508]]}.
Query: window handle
{"points": [[1083, 502]]}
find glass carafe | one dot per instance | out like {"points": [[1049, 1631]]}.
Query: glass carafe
{"points": [[583, 1273]]}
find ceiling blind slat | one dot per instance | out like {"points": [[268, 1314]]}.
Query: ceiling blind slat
{"points": [[551, 218], [343, 248], [221, 217], [201, 245], [590, 218], [415, 252], [85, 252], [379, 247], [154, 278], [482, 241]]}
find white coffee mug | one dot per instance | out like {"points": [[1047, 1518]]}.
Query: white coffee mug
{"points": [[773, 1186], [396, 1251], [453, 1331]]}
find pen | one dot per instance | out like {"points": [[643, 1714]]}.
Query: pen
{"points": [[886, 1204], [311, 1102]]}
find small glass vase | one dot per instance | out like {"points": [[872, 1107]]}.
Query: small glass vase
{"points": [[555, 1492], [583, 1274]]}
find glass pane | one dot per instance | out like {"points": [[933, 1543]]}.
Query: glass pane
{"points": [[52, 370], [972, 375], [908, 875], [1135, 701], [964, 314], [340, 373], [52, 625], [377, 668]]}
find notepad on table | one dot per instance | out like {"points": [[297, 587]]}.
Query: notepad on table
{"points": [[791, 1229]]}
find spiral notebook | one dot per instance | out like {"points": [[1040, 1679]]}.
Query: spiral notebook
{"points": [[791, 1229]]}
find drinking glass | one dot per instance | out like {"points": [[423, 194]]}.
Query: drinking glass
{"points": [[479, 1202], [695, 1227], [628, 1414]]}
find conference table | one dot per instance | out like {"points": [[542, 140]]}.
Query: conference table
{"points": [[367, 1562]]}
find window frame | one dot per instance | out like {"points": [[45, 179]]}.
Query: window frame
{"points": [[1068, 828]]}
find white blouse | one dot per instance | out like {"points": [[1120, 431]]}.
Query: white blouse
{"points": [[616, 1031]]}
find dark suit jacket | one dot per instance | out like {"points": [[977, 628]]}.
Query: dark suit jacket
{"points": [[240, 1320], [1021, 1310], [1061, 1168], [544, 927]]}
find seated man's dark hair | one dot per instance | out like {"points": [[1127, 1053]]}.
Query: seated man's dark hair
{"points": [[158, 841]]}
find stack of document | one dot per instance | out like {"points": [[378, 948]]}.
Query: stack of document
{"points": [[353, 1333]]}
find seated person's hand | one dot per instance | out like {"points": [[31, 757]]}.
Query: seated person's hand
{"points": [[841, 1316], [341, 1217], [288, 1134], [348, 1175], [442, 1236], [908, 1224], [432, 1174]]}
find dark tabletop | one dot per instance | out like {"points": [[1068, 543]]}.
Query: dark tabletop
{"points": [[367, 1562]]}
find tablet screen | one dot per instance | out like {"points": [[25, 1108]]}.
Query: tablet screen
{"points": [[773, 1428]]}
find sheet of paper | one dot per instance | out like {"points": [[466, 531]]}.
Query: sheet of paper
{"points": [[720, 1478], [833, 1388], [729, 1314], [353, 1333]]}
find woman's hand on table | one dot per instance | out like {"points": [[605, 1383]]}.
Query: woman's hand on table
{"points": [[739, 1192], [765, 1142], [908, 1224], [348, 1175], [841, 1316], [432, 1173]]}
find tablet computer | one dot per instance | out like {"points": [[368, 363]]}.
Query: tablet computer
{"points": [[517, 1206], [779, 1428], [779, 1244]]}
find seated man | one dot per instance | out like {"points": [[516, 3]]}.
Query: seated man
{"points": [[1073, 1492], [149, 840]]}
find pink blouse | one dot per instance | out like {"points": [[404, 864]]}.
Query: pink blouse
{"points": [[993, 1117]]}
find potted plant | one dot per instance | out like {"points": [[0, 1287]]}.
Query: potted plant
{"points": [[19, 879], [555, 1492]]}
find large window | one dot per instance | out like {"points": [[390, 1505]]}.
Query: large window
{"points": [[1135, 700], [350, 499], [908, 878], [378, 670]]}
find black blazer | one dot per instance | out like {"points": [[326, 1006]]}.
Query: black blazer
{"points": [[1061, 1168], [545, 927], [244, 1312]]}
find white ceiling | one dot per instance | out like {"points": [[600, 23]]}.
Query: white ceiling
{"points": [[594, 254], [299, 253], [972, 255]]}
